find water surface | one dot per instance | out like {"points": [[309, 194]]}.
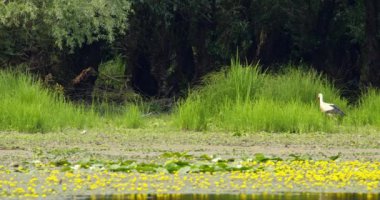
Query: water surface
{"points": [[281, 196]]}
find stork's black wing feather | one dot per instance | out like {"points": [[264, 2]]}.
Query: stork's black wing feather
{"points": [[336, 110]]}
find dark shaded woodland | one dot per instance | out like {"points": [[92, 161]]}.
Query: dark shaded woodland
{"points": [[169, 45]]}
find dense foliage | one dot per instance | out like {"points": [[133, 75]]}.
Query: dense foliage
{"points": [[56, 37], [67, 24], [177, 42], [169, 45]]}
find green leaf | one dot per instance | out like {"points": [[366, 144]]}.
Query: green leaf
{"points": [[172, 167], [259, 157], [184, 170], [333, 158], [206, 168], [60, 163], [205, 157], [146, 168]]}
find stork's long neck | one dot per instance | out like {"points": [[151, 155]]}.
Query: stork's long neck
{"points": [[321, 103], [321, 100]]}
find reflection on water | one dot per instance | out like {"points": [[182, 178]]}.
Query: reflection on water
{"points": [[284, 196]]}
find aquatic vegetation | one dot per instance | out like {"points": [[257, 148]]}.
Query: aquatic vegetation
{"points": [[176, 173]]}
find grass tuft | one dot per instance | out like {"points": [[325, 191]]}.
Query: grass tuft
{"points": [[367, 112], [26, 106], [244, 99], [274, 116], [133, 117], [191, 114]]}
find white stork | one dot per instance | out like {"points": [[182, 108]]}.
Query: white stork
{"points": [[329, 108]]}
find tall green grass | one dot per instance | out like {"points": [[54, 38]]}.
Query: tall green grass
{"points": [[367, 113], [133, 116], [231, 85], [240, 98], [274, 116], [130, 115], [192, 115], [299, 85], [26, 106], [244, 99]]}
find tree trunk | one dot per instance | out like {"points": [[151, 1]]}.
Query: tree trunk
{"points": [[321, 32], [370, 73]]}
